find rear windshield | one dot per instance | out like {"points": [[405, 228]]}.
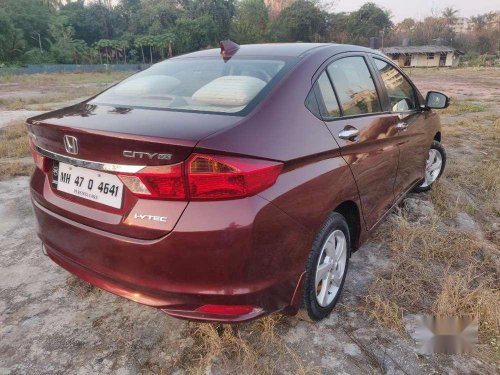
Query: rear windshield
{"points": [[197, 85]]}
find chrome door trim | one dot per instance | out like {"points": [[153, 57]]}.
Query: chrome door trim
{"points": [[106, 167]]}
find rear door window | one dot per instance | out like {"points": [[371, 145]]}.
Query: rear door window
{"points": [[331, 106], [402, 96], [354, 86]]}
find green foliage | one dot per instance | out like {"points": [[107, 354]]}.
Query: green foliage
{"points": [[194, 34], [11, 39], [368, 21], [123, 31], [221, 12], [28, 16], [35, 56], [251, 22], [301, 21]]}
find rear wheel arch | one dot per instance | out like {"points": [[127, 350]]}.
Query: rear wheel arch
{"points": [[350, 211]]}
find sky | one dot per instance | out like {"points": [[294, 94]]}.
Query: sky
{"points": [[419, 9]]}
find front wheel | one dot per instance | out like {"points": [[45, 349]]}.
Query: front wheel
{"points": [[434, 167], [327, 267]]}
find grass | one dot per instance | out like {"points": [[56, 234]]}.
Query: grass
{"points": [[459, 107], [54, 88], [427, 263], [462, 293], [14, 146], [16, 103], [255, 347], [57, 79], [14, 141], [446, 204], [14, 169]]}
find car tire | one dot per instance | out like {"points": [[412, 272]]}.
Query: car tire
{"points": [[433, 171], [323, 287]]}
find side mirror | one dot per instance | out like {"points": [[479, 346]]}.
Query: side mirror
{"points": [[436, 100]]}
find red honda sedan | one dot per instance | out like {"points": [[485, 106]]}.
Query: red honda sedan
{"points": [[229, 183]]}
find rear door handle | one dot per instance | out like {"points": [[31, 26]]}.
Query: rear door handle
{"points": [[401, 125], [349, 133]]}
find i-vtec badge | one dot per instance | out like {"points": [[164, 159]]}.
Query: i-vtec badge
{"points": [[162, 219], [146, 155]]}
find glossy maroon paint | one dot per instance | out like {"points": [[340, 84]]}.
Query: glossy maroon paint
{"points": [[249, 251]]}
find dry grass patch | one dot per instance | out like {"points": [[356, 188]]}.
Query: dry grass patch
{"points": [[14, 141], [41, 89], [429, 242], [479, 178], [49, 79], [464, 293], [14, 146], [436, 269], [457, 107], [253, 348], [17, 103], [384, 311], [14, 169], [445, 203]]}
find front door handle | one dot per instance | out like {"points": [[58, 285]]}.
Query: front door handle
{"points": [[349, 133], [401, 125]]}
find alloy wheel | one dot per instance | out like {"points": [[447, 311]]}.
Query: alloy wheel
{"points": [[432, 167], [330, 268]]}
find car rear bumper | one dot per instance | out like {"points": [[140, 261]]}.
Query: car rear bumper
{"points": [[244, 252]]}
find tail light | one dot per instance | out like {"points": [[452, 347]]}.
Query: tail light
{"points": [[165, 182], [40, 160], [204, 177]]}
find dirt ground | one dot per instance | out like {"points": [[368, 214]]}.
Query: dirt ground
{"points": [[53, 323]]}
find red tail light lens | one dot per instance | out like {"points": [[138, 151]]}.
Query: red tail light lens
{"points": [[165, 182], [204, 177], [40, 160], [220, 177]]}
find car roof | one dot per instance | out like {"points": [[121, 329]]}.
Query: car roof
{"points": [[281, 49]]}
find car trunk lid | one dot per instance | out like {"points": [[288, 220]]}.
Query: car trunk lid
{"points": [[108, 141]]}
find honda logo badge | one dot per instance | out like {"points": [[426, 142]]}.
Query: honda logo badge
{"points": [[71, 144]]}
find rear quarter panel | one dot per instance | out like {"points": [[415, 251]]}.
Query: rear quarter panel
{"points": [[315, 178]]}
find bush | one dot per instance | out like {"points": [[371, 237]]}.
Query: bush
{"points": [[35, 56]]}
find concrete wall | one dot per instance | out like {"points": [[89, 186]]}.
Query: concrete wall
{"points": [[452, 59], [419, 60]]}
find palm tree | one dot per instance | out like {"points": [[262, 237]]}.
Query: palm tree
{"points": [[450, 15]]}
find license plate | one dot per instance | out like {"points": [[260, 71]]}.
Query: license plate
{"points": [[97, 186]]}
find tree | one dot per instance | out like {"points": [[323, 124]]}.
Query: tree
{"points": [[221, 12], [251, 22], [406, 25], [12, 43], [338, 25], [195, 34], [86, 21], [450, 15], [368, 21], [28, 16], [430, 30], [301, 21], [61, 43]]}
